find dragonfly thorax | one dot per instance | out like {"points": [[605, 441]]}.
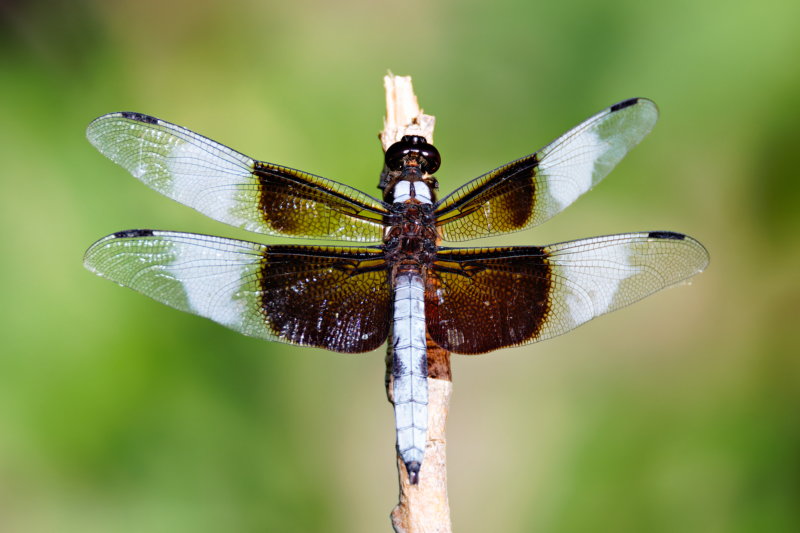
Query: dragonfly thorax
{"points": [[411, 238]]}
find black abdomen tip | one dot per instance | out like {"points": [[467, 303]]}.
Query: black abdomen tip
{"points": [[413, 472], [622, 105], [666, 235]]}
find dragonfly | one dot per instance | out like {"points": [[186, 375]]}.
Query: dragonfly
{"points": [[396, 280]]}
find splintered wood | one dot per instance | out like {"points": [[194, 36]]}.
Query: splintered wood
{"points": [[423, 508], [403, 115]]}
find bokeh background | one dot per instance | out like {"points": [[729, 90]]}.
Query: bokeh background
{"points": [[679, 414]]}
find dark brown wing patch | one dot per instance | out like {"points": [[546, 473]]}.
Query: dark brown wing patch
{"points": [[297, 204], [499, 202], [333, 298], [478, 300]]}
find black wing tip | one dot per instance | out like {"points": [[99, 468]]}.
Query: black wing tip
{"points": [[413, 472], [625, 103], [133, 233], [666, 235], [139, 117]]}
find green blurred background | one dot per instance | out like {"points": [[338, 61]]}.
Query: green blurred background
{"points": [[679, 414]]}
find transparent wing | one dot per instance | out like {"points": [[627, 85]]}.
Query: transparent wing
{"points": [[233, 188], [533, 189], [482, 299], [329, 297]]}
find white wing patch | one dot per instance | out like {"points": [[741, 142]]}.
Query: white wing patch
{"points": [[200, 177], [211, 278], [595, 276], [569, 168], [582, 157], [592, 276]]}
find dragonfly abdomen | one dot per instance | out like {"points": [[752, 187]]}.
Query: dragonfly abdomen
{"points": [[410, 370]]}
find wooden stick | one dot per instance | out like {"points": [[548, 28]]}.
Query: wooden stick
{"points": [[423, 508]]}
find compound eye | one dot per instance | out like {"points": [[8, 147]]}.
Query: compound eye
{"points": [[396, 154], [431, 158]]}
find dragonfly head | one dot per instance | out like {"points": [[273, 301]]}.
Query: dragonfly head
{"points": [[413, 151]]}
